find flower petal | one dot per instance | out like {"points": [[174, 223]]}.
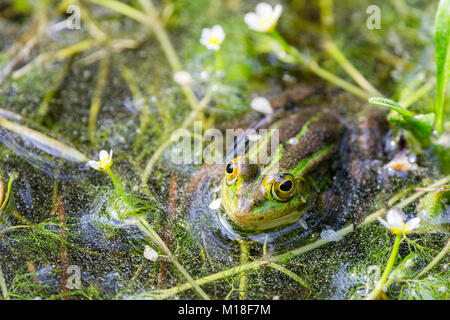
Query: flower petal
{"points": [[103, 155], [94, 164], [277, 11], [214, 205], [413, 223], [383, 222], [263, 9], [150, 253], [262, 105], [395, 217], [251, 19]]}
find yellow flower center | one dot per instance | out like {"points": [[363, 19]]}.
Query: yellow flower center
{"points": [[405, 229], [267, 20], [214, 40], [104, 163]]}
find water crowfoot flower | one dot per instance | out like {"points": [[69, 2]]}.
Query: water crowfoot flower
{"points": [[396, 222], [262, 105], [212, 38], [183, 78], [104, 163], [150, 253], [265, 18]]}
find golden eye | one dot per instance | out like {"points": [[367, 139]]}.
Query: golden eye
{"points": [[283, 189], [231, 171]]}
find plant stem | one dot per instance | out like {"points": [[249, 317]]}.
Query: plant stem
{"points": [[436, 259], [289, 273], [337, 55], [116, 183], [192, 116], [372, 217], [219, 63], [13, 176], [102, 80], [379, 288], [163, 294], [245, 254], [153, 235], [314, 67]]}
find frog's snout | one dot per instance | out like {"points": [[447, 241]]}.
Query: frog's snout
{"points": [[248, 171]]}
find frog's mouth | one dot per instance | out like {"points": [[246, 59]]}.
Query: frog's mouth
{"points": [[245, 217]]}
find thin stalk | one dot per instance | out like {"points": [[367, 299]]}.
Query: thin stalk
{"points": [[314, 67], [337, 55], [59, 78], [245, 254], [13, 176], [379, 288], [372, 217], [153, 235], [289, 273], [163, 294], [55, 56], [116, 183], [436, 259], [416, 95], [326, 15], [219, 61], [102, 80], [155, 156]]}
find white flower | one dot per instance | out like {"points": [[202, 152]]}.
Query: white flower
{"points": [[183, 78], [262, 105], [214, 205], [104, 163], [212, 38], [265, 18], [150, 253], [396, 222]]}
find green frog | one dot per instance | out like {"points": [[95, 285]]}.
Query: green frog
{"points": [[325, 158]]}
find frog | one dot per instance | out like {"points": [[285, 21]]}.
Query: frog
{"points": [[327, 161]]}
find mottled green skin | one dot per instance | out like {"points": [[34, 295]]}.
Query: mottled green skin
{"points": [[250, 203]]}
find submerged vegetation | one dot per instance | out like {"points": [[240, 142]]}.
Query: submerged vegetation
{"points": [[79, 76]]}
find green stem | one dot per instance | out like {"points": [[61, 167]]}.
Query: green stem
{"points": [[116, 183], [379, 288], [337, 55], [245, 254], [12, 178], [153, 235], [102, 80], [163, 294], [289, 273], [436, 259], [155, 156], [314, 67], [219, 61]]}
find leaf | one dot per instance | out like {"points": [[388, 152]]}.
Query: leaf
{"points": [[421, 125], [391, 105], [442, 57], [48, 144]]}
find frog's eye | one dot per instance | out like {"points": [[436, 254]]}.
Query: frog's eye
{"points": [[283, 189], [231, 171]]}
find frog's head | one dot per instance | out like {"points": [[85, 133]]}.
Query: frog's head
{"points": [[258, 199]]}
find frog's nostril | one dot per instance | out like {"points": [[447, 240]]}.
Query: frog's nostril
{"points": [[249, 171]]}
